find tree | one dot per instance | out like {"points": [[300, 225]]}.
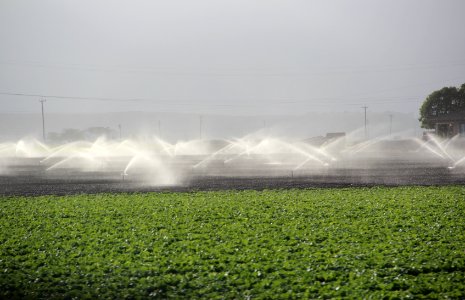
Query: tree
{"points": [[89, 134], [71, 135], [95, 132], [440, 103]]}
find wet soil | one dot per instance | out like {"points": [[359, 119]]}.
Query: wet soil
{"points": [[35, 184]]}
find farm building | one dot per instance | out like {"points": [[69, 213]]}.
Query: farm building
{"points": [[449, 125]]}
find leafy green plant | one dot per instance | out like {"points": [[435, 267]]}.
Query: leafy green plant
{"points": [[361, 242]]}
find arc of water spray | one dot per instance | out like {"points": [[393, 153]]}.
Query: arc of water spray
{"points": [[321, 151], [80, 155], [308, 156], [235, 143], [425, 144], [307, 160], [449, 141], [168, 148], [362, 146], [59, 150], [442, 148], [135, 158], [457, 163], [247, 151], [213, 155]]}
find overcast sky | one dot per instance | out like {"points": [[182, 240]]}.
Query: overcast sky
{"points": [[228, 56]]}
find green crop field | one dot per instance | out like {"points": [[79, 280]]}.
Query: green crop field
{"points": [[406, 242]]}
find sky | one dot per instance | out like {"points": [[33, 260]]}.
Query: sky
{"points": [[236, 57]]}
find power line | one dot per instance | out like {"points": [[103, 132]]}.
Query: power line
{"points": [[362, 96], [71, 97], [327, 100]]}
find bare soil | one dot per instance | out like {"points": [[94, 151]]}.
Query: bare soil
{"points": [[34, 183]]}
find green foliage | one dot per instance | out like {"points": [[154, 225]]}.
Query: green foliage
{"points": [[326, 243], [442, 102]]}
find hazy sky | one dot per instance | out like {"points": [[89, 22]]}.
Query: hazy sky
{"points": [[228, 56]]}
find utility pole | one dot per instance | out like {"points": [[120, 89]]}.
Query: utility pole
{"points": [[119, 127], [366, 132], [159, 129], [200, 126], [43, 118], [390, 124]]}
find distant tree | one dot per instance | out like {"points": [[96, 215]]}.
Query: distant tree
{"points": [[96, 132], [442, 102], [71, 134], [53, 137], [89, 134]]}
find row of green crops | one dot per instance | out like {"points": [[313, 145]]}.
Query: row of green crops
{"points": [[360, 242]]}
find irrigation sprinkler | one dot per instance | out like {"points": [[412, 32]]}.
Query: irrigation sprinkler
{"points": [[123, 176]]}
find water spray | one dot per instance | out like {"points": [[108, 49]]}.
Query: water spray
{"points": [[162, 163]]}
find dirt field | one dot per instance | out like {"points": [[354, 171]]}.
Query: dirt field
{"points": [[30, 180]]}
